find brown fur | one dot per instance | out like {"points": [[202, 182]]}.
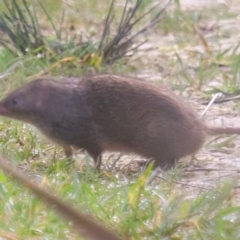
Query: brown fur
{"points": [[108, 112]]}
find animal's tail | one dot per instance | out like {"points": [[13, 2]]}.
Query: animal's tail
{"points": [[222, 130]]}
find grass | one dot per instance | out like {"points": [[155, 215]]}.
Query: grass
{"points": [[179, 205]]}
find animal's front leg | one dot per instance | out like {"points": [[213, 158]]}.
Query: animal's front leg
{"points": [[68, 151], [98, 163], [95, 152]]}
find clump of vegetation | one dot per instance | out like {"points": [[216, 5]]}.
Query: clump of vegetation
{"points": [[21, 26], [135, 210]]}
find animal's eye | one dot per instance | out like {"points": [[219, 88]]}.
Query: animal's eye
{"points": [[14, 101]]}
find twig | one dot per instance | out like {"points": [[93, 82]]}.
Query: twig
{"points": [[154, 174], [211, 170], [115, 161], [210, 103], [224, 100], [83, 224], [186, 184], [214, 178], [201, 38]]}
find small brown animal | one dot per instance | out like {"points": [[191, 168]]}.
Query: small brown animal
{"points": [[108, 112], [82, 223]]}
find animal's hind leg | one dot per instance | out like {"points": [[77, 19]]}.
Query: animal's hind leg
{"points": [[95, 152], [68, 151], [98, 163], [164, 163]]}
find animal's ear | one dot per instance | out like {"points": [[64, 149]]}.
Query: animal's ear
{"points": [[41, 82], [45, 82]]}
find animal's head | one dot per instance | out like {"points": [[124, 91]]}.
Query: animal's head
{"points": [[24, 103]]}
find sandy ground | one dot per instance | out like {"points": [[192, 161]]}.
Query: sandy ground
{"points": [[220, 157]]}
